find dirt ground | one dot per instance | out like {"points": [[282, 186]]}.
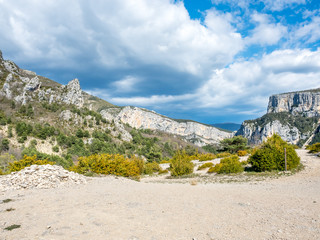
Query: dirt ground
{"points": [[118, 208]]}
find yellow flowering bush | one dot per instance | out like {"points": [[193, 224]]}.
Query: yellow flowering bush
{"points": [[242, 153], [115, 164], [27, 161], [205, 165]]}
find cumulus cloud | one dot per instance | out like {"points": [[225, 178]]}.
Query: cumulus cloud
{"points": [[246, 83], [273, 5], [117, 34], [309, 30], [278, 5], [251, 82], [265, 32], [127, 84]]}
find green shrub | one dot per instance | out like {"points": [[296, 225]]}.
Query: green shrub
{"points": [[163, 171], [181, 164], [223, 155], [314, 148], [5, 159], [234, 144], [214, 168], [210, 148], [270, 156], [55, 148], [3, 118], [205, 165], [206, 157], [64, 162], [151, 167], [4, 144], [229, 165], [244, 163]]}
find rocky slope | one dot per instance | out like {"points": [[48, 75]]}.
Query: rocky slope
{"points": [[294, 116], [23, 86], [307, 102], [139, 118], [40, 95]]}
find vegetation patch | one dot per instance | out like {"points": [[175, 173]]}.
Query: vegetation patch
{"points": [[27, 161], [270, 156], [7, 200], [303, 123], [205, 165], [11, 227], [228, 165], [114, 164], [151, 167], [314, 148], [10, 209], [181, 164]]}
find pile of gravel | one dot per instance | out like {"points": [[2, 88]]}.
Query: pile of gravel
{"points": [[40, 176]]}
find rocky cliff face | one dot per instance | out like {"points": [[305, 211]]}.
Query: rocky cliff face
{"points": [[24, 86], [294, 116], [257, 134], [307, 102], [194, 132]]}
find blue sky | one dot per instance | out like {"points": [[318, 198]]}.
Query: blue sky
{"points": [[209, 61]]}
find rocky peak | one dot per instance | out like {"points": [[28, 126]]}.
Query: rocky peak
{"points": [[74, 85], [1, 58], [72, 93]]}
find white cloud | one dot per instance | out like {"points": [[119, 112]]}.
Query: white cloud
{"points": [[252, 82], [309, 31], [118, 34], [266, 32], [244, 83], [154, 100], [273, 5], [127, 84], [278, 5]]}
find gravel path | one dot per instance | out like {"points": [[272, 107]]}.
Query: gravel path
{"points": [[110, 208]]}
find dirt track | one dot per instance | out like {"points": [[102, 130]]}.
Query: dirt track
{"points": [[109, 208]]}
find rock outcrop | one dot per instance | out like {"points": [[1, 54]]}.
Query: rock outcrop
{"points": [[307, 102], [72, 93], [257, 134], [24, 86], [194, 132], [294, 116], [40, 176]]}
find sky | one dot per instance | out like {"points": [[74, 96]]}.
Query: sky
{"points": [[209, 61]]}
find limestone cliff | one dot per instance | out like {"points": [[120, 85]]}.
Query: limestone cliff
{"points": [[256, 133], [294, 116], [307, 102], [194, 132]]}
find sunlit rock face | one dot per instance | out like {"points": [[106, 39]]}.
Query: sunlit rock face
{"points": [[194, 132], [307, 102], [294, 116]]}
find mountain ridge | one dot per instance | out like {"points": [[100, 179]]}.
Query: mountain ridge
{"points": [[24, 86]]}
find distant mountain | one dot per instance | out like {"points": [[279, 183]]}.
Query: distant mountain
{"points": [[227, 126]]}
